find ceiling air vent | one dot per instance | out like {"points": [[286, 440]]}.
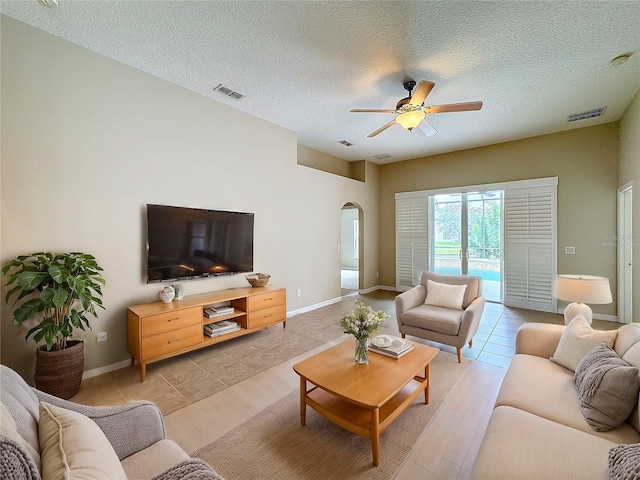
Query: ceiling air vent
{"points": [[228, 92], [382, 156], [596, 112], [345, 143]]}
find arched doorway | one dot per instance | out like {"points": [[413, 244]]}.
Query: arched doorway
{"points": [[351, 251]]}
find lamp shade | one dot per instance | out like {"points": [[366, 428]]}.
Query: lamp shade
{"points": [[410, 120], [582, 288]]}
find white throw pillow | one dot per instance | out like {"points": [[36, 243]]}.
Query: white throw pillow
{"points": [[445, 295], [577, 340], [73, 446]]}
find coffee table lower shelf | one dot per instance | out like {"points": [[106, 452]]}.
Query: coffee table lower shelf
{"points": [[363, 421]]}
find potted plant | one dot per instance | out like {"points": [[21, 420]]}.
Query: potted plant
{"points": [[60, 290]]}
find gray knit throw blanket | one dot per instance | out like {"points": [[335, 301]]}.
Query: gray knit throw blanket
{"points": [[192, 469], [624, 462], [15, 463], [593, 367]]}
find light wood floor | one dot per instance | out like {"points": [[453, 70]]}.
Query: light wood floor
{"points": [[450, 444]]}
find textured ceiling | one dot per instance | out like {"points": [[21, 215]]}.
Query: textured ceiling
{"points": [[303, 65]]}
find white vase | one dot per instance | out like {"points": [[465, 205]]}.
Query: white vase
{"points": [[166, 295]]}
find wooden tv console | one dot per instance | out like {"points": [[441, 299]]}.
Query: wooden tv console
{"points": [[161, 330]]}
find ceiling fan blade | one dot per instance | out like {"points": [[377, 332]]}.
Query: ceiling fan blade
{"points": [[381, 129], [454, 107], [426, 128], [424, 88], [368, 110]]}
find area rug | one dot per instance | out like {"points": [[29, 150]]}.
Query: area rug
{"points": [[273, 444]]}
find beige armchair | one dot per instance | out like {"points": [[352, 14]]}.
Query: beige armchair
{"points": [[451, 326]]}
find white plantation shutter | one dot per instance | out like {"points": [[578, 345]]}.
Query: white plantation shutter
{"points": [[530, 247], [412, 254]]}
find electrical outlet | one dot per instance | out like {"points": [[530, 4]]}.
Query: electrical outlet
{"points": [[101, 336], [299, 293], [570, 250]]}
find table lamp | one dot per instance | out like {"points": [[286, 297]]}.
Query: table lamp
{"points": [[580, 290]]}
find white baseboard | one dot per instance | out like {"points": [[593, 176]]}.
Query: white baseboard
{"points": [[385, 287], [331, 301], [94, 372]]}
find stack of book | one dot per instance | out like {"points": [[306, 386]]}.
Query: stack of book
{"points": [[393, 351], [220, 328], [211, 312]]}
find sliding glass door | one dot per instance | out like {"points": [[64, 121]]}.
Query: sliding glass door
{"points": [[466, 237]]}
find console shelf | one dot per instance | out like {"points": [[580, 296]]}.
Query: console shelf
{"points": [[162, 330]]}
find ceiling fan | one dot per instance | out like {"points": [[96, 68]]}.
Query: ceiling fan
{"points": [[412, 112]]}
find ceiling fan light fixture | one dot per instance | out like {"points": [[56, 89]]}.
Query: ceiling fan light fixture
{"points": [[410, 120]]}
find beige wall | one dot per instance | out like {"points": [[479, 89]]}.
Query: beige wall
{"points": [[585, 162], [630, 171], [88, 142], [321, 161]]}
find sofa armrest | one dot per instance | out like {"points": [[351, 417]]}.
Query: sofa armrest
{"points": [[471, 320], [129, 428], [539, 339], [408, 300]]}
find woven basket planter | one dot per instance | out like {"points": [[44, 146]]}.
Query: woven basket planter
{"points": [[59, 372]]}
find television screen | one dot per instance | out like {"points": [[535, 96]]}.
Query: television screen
{"points": [[186, 243]]}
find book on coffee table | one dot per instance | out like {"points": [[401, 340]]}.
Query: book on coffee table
{"points": [[392, 351]]}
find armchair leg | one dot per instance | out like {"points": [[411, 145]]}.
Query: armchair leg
{"points": [[459, 355], [471, 343]]}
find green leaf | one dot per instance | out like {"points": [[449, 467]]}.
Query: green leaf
{"points": [[60, 297], [56, 273], [27, 310], [11, 292], [30, 280]]}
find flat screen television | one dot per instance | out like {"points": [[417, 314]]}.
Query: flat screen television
{"points": [[187, 243]]}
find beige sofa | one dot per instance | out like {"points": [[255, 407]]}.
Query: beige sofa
{"points": [[42, 436], [537, 429]]}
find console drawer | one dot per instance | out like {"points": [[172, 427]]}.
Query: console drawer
{"points": [[170, 321], [266, 316], [173, 341], [266, 300]]}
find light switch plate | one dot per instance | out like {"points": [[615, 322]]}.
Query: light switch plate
{"points": [[569, 250]]}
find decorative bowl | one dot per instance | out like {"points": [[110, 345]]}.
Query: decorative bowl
{"points": [[381, 341], [258, 279]]}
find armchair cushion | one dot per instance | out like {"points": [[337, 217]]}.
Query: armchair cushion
{"points": [[73, 446], [438, 319], [445, 295]]}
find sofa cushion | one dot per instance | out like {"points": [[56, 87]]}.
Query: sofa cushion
{"points": [[577, 340], [518, 444], [546, 389], [444, 295], [607, 388], [73, 446], [632, 357], [438, 319], [624, 462], [154, 460]]}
